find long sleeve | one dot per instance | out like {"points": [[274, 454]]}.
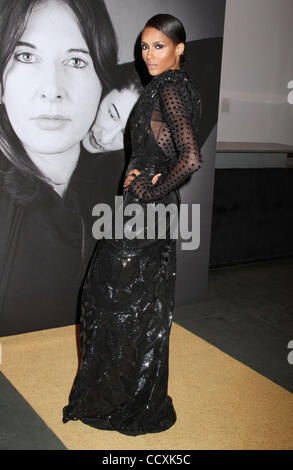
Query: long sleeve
{"points": [[176, 106]]}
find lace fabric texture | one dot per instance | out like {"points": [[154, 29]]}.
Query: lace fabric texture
{"points": [[128, 295]]}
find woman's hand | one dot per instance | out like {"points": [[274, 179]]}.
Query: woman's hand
{"points": [[155, 178], [133, 173]]}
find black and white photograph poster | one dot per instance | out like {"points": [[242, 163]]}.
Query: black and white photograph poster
{"points": [[47, 202]]}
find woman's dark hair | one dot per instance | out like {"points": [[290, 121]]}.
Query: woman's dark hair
{"points": [[127, 77], [170, 26], [21, 176]]}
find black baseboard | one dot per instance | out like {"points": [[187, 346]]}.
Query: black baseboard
{"points": [[252, 215]]}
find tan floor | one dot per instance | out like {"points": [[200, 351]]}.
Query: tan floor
{"points": [[220, 403]]}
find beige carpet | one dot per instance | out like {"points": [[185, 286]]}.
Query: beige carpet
{"points": [[220, 403]]}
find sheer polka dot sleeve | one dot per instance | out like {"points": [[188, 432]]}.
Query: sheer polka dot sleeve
{"points": [[176, 107]]}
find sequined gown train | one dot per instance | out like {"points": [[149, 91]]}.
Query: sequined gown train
{"points": [[128, 295]]}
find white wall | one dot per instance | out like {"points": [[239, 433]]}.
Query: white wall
{"points": [[256, 69]]}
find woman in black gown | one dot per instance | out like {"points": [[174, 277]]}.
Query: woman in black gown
{"points": [[128, 295]]}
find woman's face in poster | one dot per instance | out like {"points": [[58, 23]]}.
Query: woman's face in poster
{"points": [[107, 133], [50, 88]]}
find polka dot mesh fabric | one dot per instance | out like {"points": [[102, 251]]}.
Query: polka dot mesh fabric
{"points": [[174, 121]]}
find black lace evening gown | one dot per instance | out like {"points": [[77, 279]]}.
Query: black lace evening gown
{"points": [[128, 295]]}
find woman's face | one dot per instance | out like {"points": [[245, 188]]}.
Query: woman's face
{"points": [[107, 132], [159, 52], [50, 88]]}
